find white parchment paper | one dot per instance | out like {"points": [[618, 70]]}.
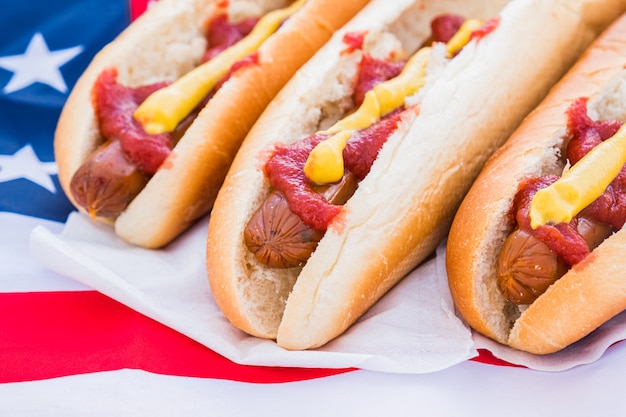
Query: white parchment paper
{"points": [[413, 329]]}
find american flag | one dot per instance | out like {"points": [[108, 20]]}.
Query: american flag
{"points": [[66, 345], [63, 327]]}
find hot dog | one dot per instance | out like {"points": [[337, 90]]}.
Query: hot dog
{"points": [[151, 127], [534, 255], [414, 136]]}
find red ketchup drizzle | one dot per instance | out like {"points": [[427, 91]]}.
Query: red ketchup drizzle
{"points": [[610, 208], [222, 34], [372, 71], [354, 41], [485, 29], [285, 169], [115, 104], [444, 27], [562, 238]]}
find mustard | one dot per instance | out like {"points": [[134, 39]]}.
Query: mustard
{"points": [[582, 184], [462, 36], [366, 115], [163, 110], [325, 163]]}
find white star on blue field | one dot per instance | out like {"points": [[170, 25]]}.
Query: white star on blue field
{"points": [[38, 64], [44, 48]]}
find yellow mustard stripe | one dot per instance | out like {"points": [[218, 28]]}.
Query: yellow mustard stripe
{"points": [[582, 184], [163, 110], [325, 163], [462, 36]]}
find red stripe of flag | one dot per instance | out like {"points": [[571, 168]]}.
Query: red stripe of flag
{"points": [[484, 356], [53, 334], [137, 7]]}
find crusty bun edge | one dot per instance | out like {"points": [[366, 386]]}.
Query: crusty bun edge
{"points": [[185, 188], [592, 291], [357, 274], [242, 289], [175, 23], [353, 265]]}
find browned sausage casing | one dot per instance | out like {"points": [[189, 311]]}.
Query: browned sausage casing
{"points": [[107, 181], [526, 267], [277, 236]]}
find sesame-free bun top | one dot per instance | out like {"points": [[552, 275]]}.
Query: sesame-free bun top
{"points": [[593, 290]]}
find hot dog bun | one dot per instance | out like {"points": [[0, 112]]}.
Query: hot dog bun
{"points": [[404, 207], [166, 42], [593, 290]]}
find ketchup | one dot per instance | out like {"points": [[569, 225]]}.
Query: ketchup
{"points": [[373, 71], [285, 169], [354, 41], [115, 104], [563, 238], [444, 27], [222, 34], [486, 29], [610, 208]]}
